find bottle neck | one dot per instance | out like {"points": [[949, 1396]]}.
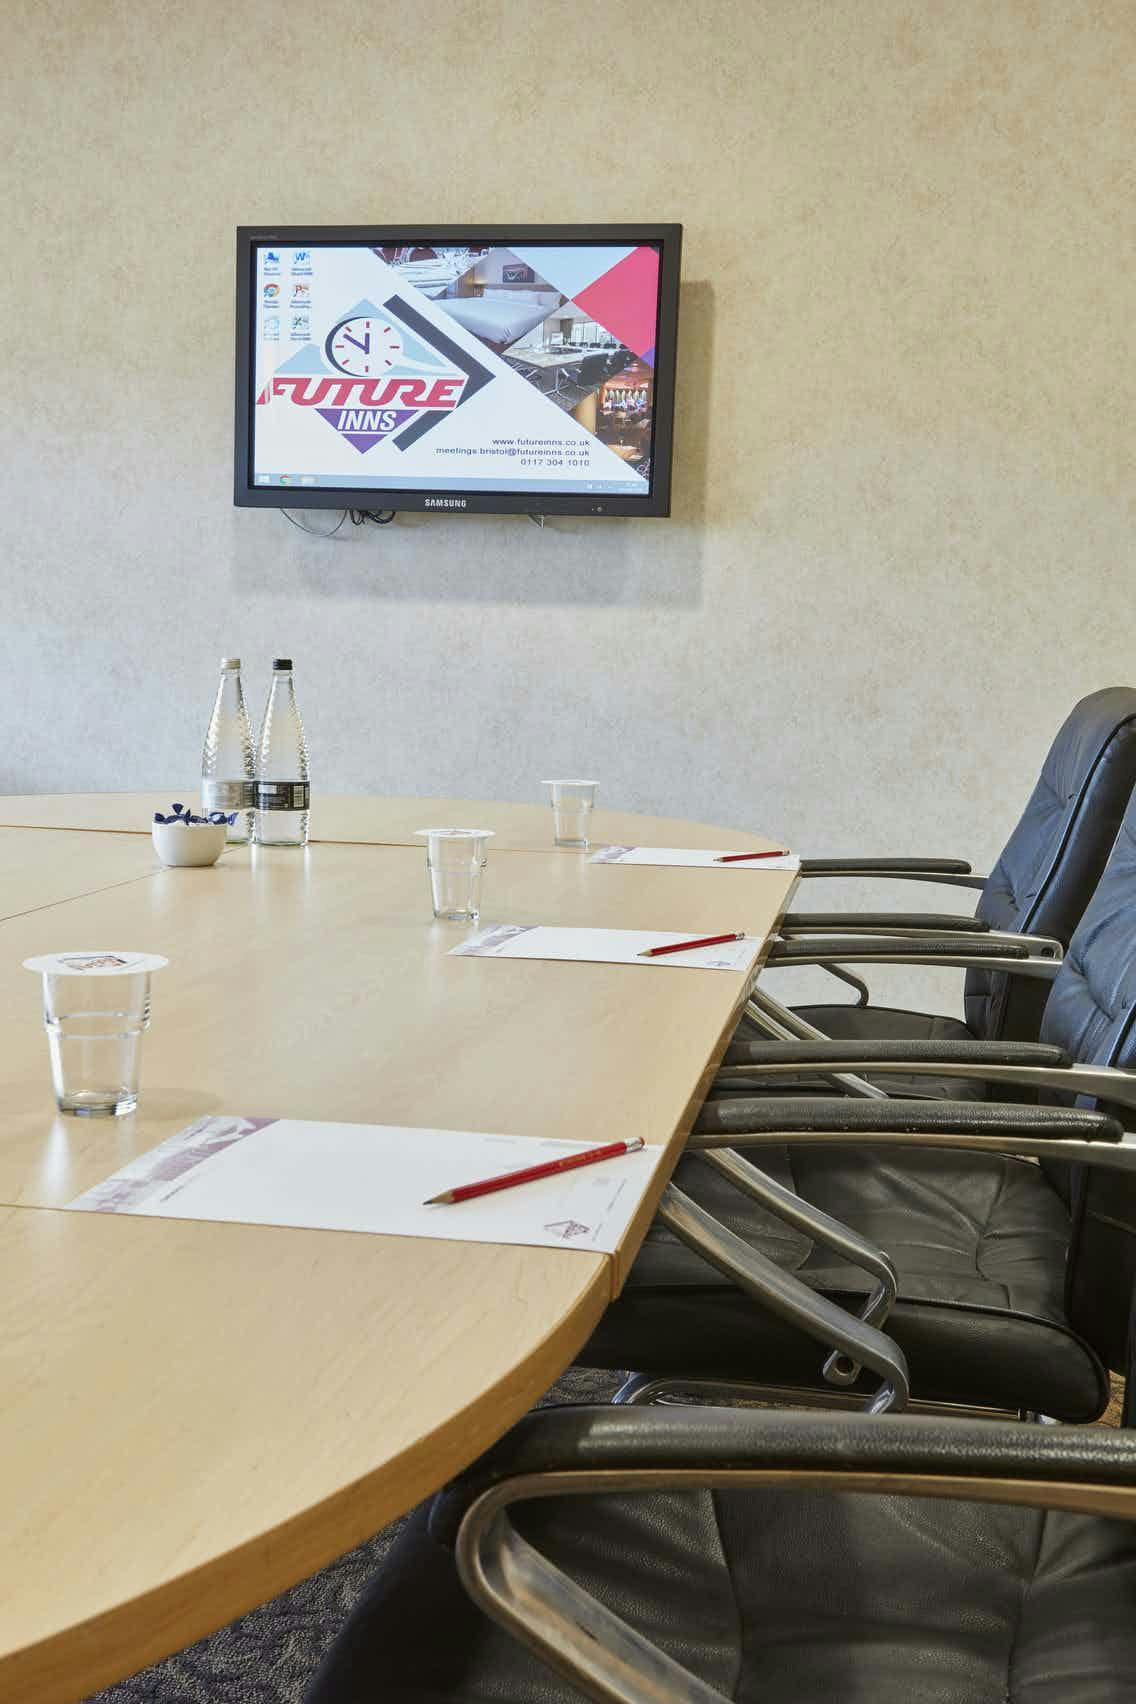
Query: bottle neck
{"points": [[229, 689], [281, 695]]}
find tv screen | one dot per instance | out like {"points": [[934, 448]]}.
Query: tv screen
{"points": [[476, 368]]}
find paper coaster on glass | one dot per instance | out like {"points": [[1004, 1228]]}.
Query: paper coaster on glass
{"points": [[90, 962]]}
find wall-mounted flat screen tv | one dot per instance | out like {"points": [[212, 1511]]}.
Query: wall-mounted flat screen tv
{"points": [[477, 368]]}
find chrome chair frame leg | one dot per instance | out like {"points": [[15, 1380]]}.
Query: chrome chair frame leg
{"points": [[822, 1228], [644, 1390], [575, 1634], [785, 1296], [779, 1022]]}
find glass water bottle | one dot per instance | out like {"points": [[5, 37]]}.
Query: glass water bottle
{"points": [[283, 795], [226, 762]]}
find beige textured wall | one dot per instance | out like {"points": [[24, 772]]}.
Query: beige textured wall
{"points": [[900, 547]]}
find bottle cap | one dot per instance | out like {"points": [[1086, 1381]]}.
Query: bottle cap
{"points": [[230, 662], [282, 662]]}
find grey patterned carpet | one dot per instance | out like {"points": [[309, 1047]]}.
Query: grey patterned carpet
{"points": [[269, 1655]]}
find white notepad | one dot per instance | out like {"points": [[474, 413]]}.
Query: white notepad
{"points": [[688, 857], [606, 946], [376, 1178]]}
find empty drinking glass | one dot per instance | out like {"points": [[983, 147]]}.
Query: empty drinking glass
{"points": [[572, 803], [455, 858], [96, 1007]]}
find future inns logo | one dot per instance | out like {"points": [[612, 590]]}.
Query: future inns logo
{"points": [[367, 410], [381, 373]]}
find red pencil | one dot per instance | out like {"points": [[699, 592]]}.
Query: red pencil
{"points": [[740, 857], [529, 1174], [689, 946]]}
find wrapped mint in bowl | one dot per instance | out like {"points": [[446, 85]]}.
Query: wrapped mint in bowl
{"points": [[183, 839]]}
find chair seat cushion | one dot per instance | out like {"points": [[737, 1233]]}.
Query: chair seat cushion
{"points": [[978, 1242], [776, 1598], [843, 1022]]}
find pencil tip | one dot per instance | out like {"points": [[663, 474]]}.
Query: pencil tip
{"points": [[439, 1200]]}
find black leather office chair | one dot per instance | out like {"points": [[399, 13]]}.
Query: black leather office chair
{"points": [[700, 1556], [573, 384], [1014, 1280], [593, 371], [615, 360], [1039, 887]]}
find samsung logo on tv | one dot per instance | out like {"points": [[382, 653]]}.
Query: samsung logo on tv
{"points": [[445, 502]]}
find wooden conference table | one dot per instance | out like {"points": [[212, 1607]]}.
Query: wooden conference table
{"points": [[195, 1415]]}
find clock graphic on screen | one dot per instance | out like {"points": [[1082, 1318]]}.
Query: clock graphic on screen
{"points": [[362, 346]]}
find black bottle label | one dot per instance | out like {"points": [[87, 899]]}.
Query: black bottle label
{"points": [[283, 795]]}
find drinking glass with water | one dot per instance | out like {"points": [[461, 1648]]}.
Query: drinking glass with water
{"points": [[96, 1009], [572, 803], [455, 859]]}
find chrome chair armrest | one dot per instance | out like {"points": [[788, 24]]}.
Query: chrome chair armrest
{"points": [[820, 1050], [775, 1198], [886, 867], [965, 952], [1037, 946], [1025, 1065], [1059, 1133], [911, 925], [579, 1637], [682, 1447], [879, 923], [582, 1451], [784, 1295], [947, 872]]}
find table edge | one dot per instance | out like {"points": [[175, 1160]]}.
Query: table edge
{"points": [[65, 1666]]}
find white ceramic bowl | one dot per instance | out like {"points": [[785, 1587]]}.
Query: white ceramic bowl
{"points": [[184, 843]]}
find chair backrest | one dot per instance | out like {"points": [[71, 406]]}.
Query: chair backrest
{"points": [[1091, 1011], [1052, 861], [592, 369]]}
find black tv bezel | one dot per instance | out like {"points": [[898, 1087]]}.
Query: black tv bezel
{"points": [[247, 495]]}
